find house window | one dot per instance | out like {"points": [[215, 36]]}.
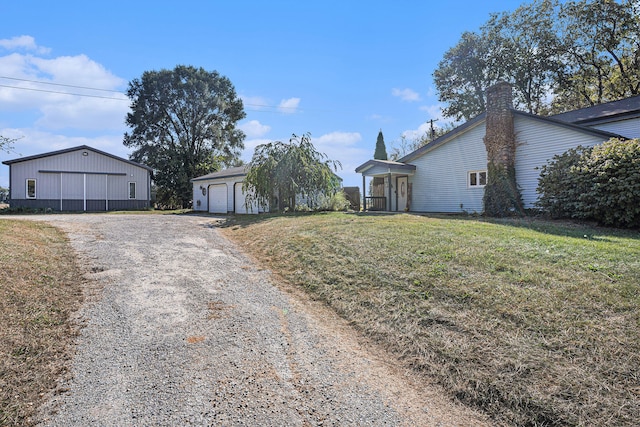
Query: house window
{"points": [[477, 179], [31, 188], [132, 190]]}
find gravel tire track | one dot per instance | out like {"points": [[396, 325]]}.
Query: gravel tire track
{"points": [[180, 328]]}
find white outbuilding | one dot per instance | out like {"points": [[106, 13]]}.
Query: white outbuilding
{"points": [[221, 192]]}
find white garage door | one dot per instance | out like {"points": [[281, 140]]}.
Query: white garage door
{"points": [[240, 202], [218, 198]]}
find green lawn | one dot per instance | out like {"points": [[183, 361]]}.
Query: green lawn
{"points": [[537, 323]]}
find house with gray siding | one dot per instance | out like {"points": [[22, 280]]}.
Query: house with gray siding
{"points": [[78, 179], [449, 173]]}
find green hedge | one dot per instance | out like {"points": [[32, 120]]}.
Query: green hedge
{"points": [[599, 183]]}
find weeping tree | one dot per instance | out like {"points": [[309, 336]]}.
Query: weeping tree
{"points": [[280, 171]]}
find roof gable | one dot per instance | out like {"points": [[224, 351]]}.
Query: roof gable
{"points": [[70, 150], [385, 164], [479, 119]]}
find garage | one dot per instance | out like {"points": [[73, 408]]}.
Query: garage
{"points": [[221, 192], [218, 198], [240, 202]]}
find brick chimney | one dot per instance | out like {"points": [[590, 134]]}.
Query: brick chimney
{"points": [[501, 194], [500, 135]]}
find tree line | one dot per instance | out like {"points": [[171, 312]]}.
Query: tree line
{"points": [[558, 57]]}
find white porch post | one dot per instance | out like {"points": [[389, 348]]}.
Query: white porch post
{"points": [[364, 193], [390, 206]]}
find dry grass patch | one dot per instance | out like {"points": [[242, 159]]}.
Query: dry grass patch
{"points": [[40, 286], [537, 323]]}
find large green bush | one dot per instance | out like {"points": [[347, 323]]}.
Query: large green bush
{"points": [[600, 183]]}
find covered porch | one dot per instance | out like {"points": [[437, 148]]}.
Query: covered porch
{"points": [[390, 187]]}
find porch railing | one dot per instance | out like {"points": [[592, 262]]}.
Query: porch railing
{"points": [[376, 203]]}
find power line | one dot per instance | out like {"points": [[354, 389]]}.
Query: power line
{"points": [[60, 84], [276, 107], [63, 93]]}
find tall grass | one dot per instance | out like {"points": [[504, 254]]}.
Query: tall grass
{"points": [[537, 323]]}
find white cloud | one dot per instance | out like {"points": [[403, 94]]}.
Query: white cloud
{"points": [[406, 94], [338, 139], [77, 70], [433, 111], [254, 129], [289, 106], [414, 134], [23, 43], [342, 146], [254, 102], [35, 85], [85, 113]]}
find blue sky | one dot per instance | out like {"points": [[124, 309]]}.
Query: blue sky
{"points": [[340, 70]]}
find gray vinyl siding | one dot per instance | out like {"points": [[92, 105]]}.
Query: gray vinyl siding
{"points": [[440, 181], [68, 178], [629, 128], [537, 143]]}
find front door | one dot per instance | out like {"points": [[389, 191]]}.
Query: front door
{"points": [[402, 184]]}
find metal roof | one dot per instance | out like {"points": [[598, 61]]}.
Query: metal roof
{"points": [[69, 150]]}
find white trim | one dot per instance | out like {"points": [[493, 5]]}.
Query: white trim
{"points": [[135, 190], [35, 187], [477, 173]]}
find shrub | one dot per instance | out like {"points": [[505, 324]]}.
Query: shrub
{"points": [[562, 182], [600, 183], [335, 202]]}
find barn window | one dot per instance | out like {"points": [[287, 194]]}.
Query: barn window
{"points": [[132, 190], [477, 179], [31, 188]]}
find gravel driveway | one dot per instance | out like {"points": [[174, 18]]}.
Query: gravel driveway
{"points": [[180, 328]]}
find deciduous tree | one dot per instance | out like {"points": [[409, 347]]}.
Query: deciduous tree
{"points": [[601, 53], [558, 57], [183, 125], [285, 170]]}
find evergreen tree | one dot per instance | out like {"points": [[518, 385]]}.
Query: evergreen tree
{"points": [[381, 149]]}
